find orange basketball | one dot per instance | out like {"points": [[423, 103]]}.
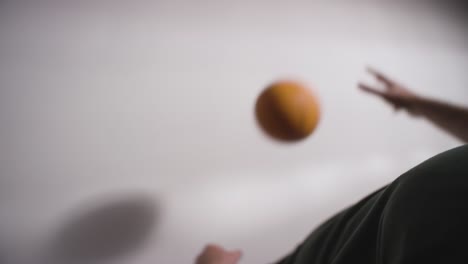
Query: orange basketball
{"points": [[287, 111]]}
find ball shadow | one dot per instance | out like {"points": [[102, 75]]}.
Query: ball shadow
{"points": [[105, 229]]}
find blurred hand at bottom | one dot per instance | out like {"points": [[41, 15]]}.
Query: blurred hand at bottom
{"points": [[214, 254]]}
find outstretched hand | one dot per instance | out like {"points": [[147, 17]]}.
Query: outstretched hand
{"points": [[214, 254], [395, 94]]}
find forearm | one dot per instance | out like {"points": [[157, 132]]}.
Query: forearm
{"points": [[451, 118]]}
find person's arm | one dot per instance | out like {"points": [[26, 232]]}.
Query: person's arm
{"points": [[214, 254], [451, 118]]}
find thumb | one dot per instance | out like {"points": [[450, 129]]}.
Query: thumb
{"points": [[235, 256]]}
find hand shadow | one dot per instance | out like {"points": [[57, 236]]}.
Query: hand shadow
{"points": [[105, 229]]}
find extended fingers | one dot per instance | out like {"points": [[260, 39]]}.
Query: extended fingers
{"points": [[382, 94], [369, 89], [381, 77]]}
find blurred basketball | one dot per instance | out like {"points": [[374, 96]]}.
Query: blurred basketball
{"points": [[287, 111]]}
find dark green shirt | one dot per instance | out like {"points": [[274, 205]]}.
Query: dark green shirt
{"points": [[421, 217]]}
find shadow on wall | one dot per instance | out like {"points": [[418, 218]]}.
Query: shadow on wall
{"points": [[457, 8], [105, 229]]}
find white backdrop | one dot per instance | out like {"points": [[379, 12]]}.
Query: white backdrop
{"points": [[156, 98]]}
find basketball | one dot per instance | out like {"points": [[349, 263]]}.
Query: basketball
{"points": [[287, 111]]}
